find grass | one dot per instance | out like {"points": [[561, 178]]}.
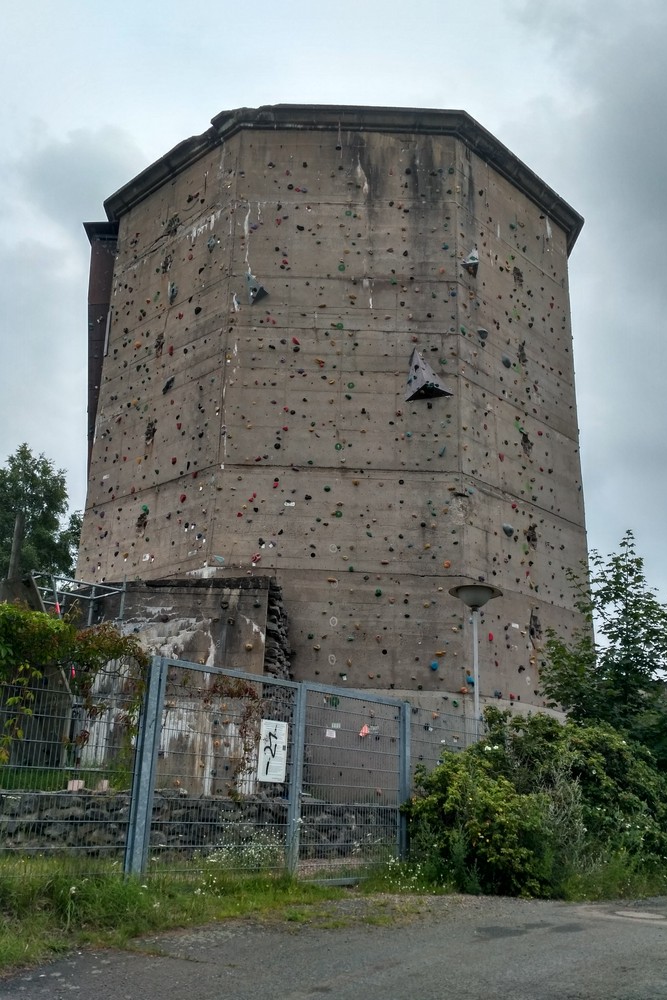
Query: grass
{"points": [[614, 876], [49, 906], [45, 779], [52, 905]]}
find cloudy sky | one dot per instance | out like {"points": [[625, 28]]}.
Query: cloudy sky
{"points": [[92, 93]]}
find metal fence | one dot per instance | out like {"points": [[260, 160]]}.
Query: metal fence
{"points": [[227, 768]]}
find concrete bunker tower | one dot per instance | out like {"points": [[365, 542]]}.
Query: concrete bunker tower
{"points": [[332, 345]]}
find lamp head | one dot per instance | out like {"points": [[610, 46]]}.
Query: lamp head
{"points": [[475, 595]]}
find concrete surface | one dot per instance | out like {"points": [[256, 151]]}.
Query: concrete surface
{"points": [[461, 947], [272, 435]]}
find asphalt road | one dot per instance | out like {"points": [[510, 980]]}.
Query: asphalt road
{"points": [[428, 949]]}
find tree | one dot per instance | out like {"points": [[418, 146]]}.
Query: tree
{"points": [[32, 484], [613, 670]]}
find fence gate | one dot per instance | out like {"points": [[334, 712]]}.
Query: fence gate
{"points": [[259, 771], [215, 771], [355, 777]]}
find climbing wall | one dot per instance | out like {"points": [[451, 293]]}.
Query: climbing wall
{"points": [[343, 358]]}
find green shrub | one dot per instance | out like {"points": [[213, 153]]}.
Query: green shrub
{"points": [[541, 808], [486, 835]]}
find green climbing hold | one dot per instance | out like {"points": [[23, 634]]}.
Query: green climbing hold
{"points": [[327, 489], [338, 513], [338, 446], [144, 507], [341, 267], [339, 326], [350, 385], [378, 592]]}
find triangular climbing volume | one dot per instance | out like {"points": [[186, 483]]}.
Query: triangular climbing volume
{"points": [[422, 382]]}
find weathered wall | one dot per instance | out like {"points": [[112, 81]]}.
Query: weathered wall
{"points": [[274, 437]]}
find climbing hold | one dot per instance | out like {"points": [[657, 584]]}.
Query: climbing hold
{"points": [[182, 498], [506, 361], [255, 290], [378, 592], [434, 664], [471, 263], [490, 636], [168, 384], [508, 529], [422, 382]]}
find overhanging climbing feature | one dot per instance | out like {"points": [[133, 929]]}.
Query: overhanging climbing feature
{"points": [[256, 291], [423, 383]]}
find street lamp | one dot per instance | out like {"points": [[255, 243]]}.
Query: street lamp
{"points": [[475, 596]]}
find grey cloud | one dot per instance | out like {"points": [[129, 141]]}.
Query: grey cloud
{"points": [[69, 178]]}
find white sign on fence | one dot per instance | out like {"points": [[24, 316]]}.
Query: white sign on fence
{"points": [[272, 763]]}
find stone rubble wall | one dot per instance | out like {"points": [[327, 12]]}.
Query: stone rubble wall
{"points": [[95, 823]]}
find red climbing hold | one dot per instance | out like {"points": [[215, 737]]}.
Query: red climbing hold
{"points": [[490, 636], [295, 340], [183, 498]]}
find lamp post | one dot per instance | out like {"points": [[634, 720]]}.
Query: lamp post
{"points": [[475, 596]]}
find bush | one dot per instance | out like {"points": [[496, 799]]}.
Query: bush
{"points": [[488, 837], [538, 807]]}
